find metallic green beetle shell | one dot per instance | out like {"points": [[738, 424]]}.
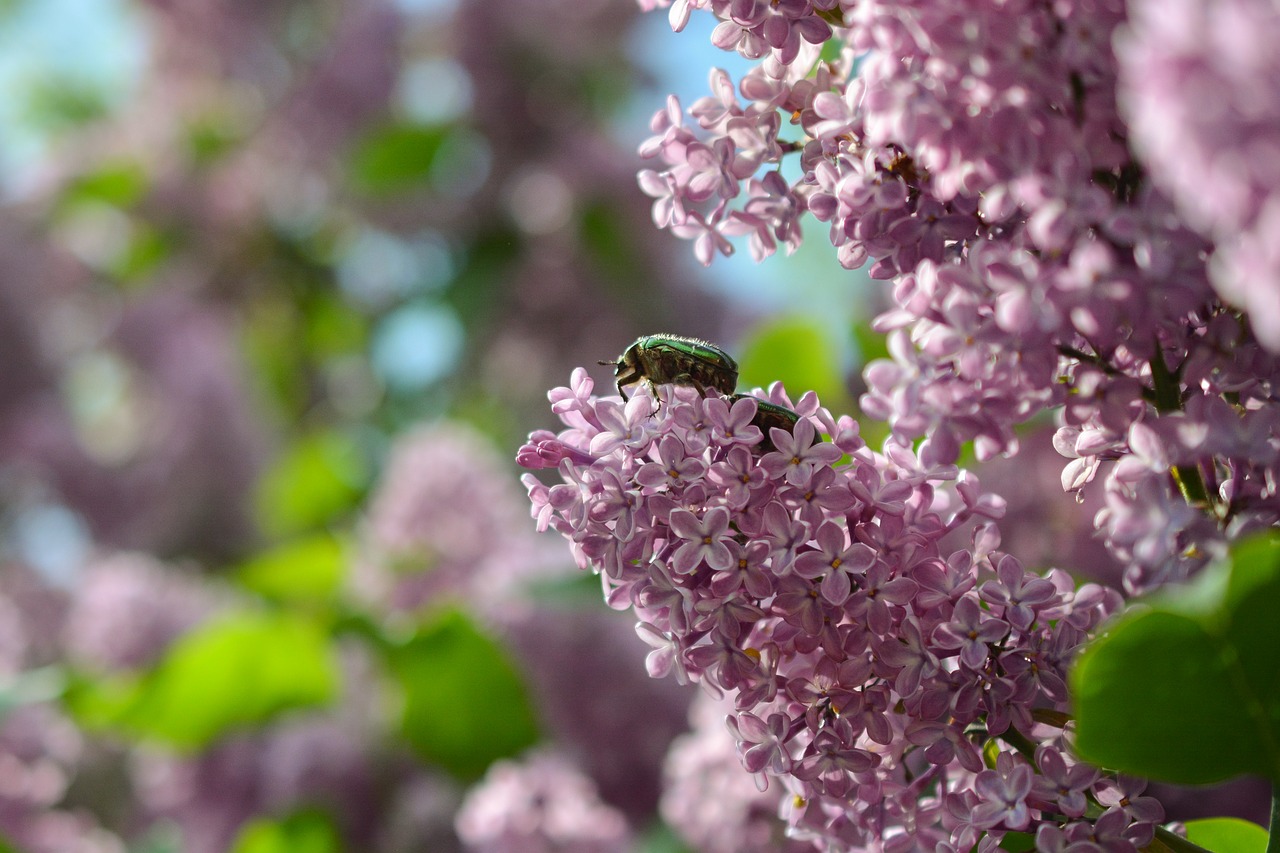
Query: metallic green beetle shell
{"points": [[671, 359], [769, 415]]}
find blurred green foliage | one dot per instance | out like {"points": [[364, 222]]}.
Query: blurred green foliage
{"points": [[465, 704], [1184, 688], [121, 183], [315, 481], [305, 571], [660, 839], [798, 352], [1227, 835], [59, 102], [398, 157], [238, 669], [304, 832]]}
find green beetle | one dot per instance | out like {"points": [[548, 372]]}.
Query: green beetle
{"points": [[769, 415], [671, 359]]}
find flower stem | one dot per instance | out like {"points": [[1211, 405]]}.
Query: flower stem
{"points": [[1166, 840], [1018, 741], [1273, 840], [1169, 399]]}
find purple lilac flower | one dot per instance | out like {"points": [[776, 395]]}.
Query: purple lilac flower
{"points": [[127, 608], [1060, 785], [602, 697], [983, 168], [168, 463], [443, 521], [1003, 794], [863, 643], [539, 803], [1195, 83], [709, 801], [40, 751]]}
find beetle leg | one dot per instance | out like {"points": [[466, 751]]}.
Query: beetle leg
{"points": [[627, 374], [687, 379]]}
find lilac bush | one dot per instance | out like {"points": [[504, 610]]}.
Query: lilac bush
{"points": [[1075, 206], [902, 680], [1196, 86], [978, 158]]}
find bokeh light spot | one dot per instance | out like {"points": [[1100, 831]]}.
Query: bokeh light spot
{"points": [[416, 346]]}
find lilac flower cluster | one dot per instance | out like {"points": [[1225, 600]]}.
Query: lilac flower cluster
{"points": [[540, 803], [41, 750], [1197, 83], [979, 160], [902, 682], [128, 608], [709, 801], [442, 524]]}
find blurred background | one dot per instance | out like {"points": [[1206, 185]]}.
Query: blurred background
{"points": [[283, 286]]}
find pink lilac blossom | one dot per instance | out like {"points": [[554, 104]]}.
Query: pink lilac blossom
{"points": [[40, 750], [34, 612], [443, 523], [420, 816], [166, 461], [1197, 85], [709, 801], [871, 651], [127, 608], [979, 160], [1045, 526], [539, 804]]}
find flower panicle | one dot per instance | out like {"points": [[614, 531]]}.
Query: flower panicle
{"points": [[852, 603]]}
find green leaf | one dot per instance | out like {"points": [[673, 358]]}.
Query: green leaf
{"points": [[333, 327], [465, 705], [146, 249], [1227, 835], [239, 669], [305, 832], [316, 480], [211, 137], [398, 157], [871, 344], [799, 353], [570, 590], [119, 184], [306, 570], [607, 236], [1186, 687], [1018, 842], [60, 102]]}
